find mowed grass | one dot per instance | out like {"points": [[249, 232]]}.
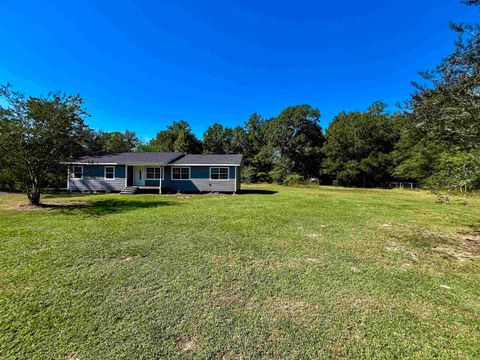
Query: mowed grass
{"points": [[276, 272]]}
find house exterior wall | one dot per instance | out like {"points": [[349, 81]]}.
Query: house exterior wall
{"points": [[199, 181], [94, 179]]}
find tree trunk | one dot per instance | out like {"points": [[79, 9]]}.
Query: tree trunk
{"points": [[34, 197]]}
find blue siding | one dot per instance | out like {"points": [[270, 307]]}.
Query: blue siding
{"points": [[94, 179], [99, 171], [199, 180], [120, 171]]}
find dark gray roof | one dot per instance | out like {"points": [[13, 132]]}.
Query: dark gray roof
{"points": [[130, 158], [231, 159]]}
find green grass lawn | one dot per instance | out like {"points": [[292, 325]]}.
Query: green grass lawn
{"points": [[276, 273]]}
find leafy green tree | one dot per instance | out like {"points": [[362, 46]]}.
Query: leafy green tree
{"points": [[252, 142], [297, 139], [116, 141], [224, 140], [444, 118], [238, 141], [184, 142], [215, 140], [255, 135], [359, 145], [36, 134], [177, 136]]}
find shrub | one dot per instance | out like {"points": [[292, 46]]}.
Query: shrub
{"points": [[249, 175], [294, 179]]}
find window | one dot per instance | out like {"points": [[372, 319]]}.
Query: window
{"points": [[219, 173], [180, 173], [78, 172], [154, 173], [109, 172]]}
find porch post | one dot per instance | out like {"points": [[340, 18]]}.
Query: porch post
{"points": [[68, 178], [160, 181], [126, 175]]}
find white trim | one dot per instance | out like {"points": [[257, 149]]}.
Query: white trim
{"points": [[219, 167], [89, 163], [156, 164], [105, 172], [162, 173], [146, 164], [216, 165], [189, 173], [235, 179], [73, 176], [126, 175], [68, 178]]}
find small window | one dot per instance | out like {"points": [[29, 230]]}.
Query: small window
{"points": [[78, 172], [154, 173], [180, 173], [219, 173], [109, 172]]}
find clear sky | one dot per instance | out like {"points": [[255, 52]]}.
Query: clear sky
{"points": [[140, 65]]}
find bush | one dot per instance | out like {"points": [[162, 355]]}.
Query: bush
{"points": [[249, 175], [294, 179]]}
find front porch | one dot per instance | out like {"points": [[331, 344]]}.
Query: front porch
{"points": [[145, 177]]}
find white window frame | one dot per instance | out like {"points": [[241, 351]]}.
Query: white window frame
{"points": [[105, 172], [162, 172], [73, 172], [181, 167], [220, 167]]}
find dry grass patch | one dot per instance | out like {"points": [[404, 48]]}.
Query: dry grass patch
{"points": [[130, 259], [187, 344]]}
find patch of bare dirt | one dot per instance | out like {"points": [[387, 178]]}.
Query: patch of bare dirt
{"points": [[457, 253], [130, 259], [471, 240], [187, 343], [467, 247]]}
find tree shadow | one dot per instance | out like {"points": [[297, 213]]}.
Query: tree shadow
{"points": [[106, 207], [257, 192]]}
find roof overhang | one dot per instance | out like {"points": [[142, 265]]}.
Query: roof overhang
{"points": [[204, 164]]}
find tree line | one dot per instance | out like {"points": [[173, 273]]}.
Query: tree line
{"points": [[433, 140]]}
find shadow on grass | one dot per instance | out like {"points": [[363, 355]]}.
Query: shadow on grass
{"points": [[256, 192], [105, 207]]}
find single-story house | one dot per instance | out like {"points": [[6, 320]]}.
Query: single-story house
{"points": [[167, 172]]}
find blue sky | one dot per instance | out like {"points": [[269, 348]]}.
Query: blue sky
{"points": [[140, 65]]}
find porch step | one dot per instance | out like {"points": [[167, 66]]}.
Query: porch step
{"points": [[129, 190]]}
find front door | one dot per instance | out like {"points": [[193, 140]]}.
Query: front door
{"points": [[139, 176], [129, 175]]}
